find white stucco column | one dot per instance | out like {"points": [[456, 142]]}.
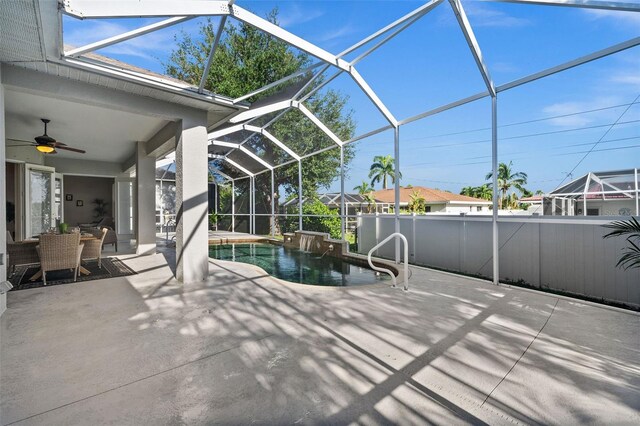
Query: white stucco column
{"points": [[145, 201], [3, 224], [192, 237]]}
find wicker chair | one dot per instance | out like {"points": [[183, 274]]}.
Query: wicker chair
{"points": [[59, 252], [21, 253], [93, 248]]}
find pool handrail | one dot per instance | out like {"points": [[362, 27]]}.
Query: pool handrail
{"points": [[388, 271]]}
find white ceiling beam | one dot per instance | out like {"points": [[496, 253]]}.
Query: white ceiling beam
{"points": [[276, 141], [442, 108], [318, 87], [282, 80], [587, 4], [74, 53], [289, 38], [238, 166], [422, 10], [257, 112], [372, 96], [461, 16], [227, 131], [220, 173], [85, 9], [571, 64], [225, 144], [255, 157], [318, 123], [212, 53]]}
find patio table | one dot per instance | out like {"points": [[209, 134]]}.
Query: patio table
{"points": [[82, 269]]}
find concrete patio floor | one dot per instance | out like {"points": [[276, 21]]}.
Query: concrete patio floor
{"points": [[243, 348]]}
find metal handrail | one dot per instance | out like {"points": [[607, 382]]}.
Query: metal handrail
{"points": [[388, 271]]}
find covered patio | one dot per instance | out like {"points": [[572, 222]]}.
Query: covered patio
{"points": [[189, 339], [243, 347]]}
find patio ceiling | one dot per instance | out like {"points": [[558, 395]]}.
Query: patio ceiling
{"points": [[81, 126]]}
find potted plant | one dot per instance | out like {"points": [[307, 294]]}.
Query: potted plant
{"points": [[63, 227], [100, 209]]}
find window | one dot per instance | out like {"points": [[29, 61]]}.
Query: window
{"points": [[593, 212], [479, 208]]}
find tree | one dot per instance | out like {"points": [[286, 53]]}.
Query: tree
{"points": [[382, 169], [507, 179], [417, 203], [247, 59], [483, 192], [363, 188], [366, 191]]}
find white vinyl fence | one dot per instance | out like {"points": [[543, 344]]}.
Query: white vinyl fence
{"points": [[565, 254]]}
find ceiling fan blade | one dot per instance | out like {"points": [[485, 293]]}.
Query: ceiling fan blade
{"points": [[20, 144], [20, 140], [59, 144], [68, 148]]}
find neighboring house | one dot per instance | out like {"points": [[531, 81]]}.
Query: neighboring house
{"points": [[436, 201], [612, 193], [354, 204], [533, 204]]}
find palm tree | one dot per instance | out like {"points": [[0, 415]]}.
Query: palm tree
{"points": [[631, 253], [469, 191], [381, 169], [363, 188], [366, 191], [507, 179]]}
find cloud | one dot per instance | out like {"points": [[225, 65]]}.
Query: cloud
{"points": [[631, 19], [295, 15], [569, 116], [483, 15]]}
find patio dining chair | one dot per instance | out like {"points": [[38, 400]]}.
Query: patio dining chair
{"points": [[59, 252], [93, 248]]}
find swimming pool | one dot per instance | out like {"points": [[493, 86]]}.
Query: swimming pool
{"points": [[297, 266]]}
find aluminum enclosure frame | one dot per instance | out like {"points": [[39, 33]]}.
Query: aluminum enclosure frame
{"points": [[179, 11]]}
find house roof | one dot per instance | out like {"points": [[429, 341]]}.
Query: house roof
{"points": [[431, 196], [532, 199]]}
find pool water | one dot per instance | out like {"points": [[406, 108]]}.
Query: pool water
{"points": [[297, 266]]}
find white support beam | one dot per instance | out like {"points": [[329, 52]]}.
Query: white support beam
{"points": [[282, 80], [289, 38], [223, 143], [212, 52], [280, 144], [85, 9], [238, 166], [318, 123], [227, 177], [465, 26], [318, 87], [571, 64], [257, 112], [586, 4], [373, 97], [225, 131], [442, 108], [74, 53], [255, 157], [422, 10]]}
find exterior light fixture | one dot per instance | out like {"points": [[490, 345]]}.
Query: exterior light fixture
{"points": [[45, 149]]}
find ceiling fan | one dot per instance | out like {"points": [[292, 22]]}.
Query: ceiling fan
{"points": [[48, 145]]}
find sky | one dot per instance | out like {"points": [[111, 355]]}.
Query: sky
{"points": [[554, 129]]}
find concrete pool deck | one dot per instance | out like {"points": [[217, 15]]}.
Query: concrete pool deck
{"points": [[242, 348]]}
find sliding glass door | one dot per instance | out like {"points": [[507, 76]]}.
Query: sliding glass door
{"points": [[40, 211]]}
